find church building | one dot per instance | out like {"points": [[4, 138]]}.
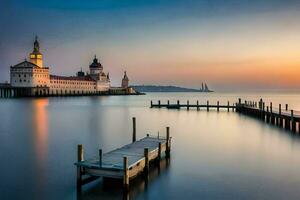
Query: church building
{"points": [[35, 78]]}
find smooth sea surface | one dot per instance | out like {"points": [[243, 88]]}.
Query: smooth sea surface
{"points": [[214, 155]]}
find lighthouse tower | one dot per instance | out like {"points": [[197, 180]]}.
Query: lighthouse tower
{"points": [[36, 57]]}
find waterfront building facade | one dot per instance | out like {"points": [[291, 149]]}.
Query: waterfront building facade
{"points": [[34, 79]]}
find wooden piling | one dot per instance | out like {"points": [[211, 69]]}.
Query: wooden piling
{"points": [[159, 151], [126, 174], [146, 155], [151, 104], [187, 105], [218, 106], [293, 121], [207, 106], [178, 103], [159, 103], [134, 129], [279, 119], [228, 106], [197, 104], [267, 115], [80, 158], [168, 145], [168, 102], [286, 106], [100, 157]]}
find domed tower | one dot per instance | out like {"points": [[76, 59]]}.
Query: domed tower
{"points": [[125, 81], [36, 57], [96, 69]]}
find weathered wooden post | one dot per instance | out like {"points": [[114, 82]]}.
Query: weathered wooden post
{"points": [[168, 102], [218, 106], [159, 151], [286, 106], [207, 106], [197, 104], [151, 104], [126, 174], [178, 103], [146, 155], [100, 157], [232, 107], [271, 113], [227, 106], [134, 129], [188, 105], [240, 101], [279, 119], [80, 158], [287, 123], [159, 103], [293, 121], [267, 115], [168, 145], [263, 111]]}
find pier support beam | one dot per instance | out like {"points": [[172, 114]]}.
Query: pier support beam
{"points": [[218, 106], [100, 157], [207, 106], [188, 105], [151, 104], [133, 129], [159, 152], [80, 158], [293, 122], [126, 174], [197, 104], [287, 124], [168, 144], [228, 106], [146, 155]]}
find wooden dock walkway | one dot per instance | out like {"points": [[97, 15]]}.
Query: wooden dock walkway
{"points": [[207, 106], [284, 118], [124, 163]]}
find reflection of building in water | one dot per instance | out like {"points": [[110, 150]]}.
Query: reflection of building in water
{"points": [[32, 78], [40, 131]]}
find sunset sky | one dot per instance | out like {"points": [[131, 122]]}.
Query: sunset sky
{"points": [[231, 45]]}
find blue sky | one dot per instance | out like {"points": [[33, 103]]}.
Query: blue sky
{"points": [[160, 41]]}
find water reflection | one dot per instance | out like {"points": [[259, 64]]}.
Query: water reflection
{"points": [[112, 189], [40, 136]]}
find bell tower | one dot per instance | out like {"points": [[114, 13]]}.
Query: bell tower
{"points": [[36, 57]]}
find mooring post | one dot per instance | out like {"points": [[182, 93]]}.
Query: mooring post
{"points": [[151, 104], [159, 103], [80, 158], [218, 106], [267, 115], [188, 105], [168, 102], [168, 145], [197, 104], [178, 103], [279, 119], [146, 155], [286, 106], [159, 150], [293, 121], [271, 113], [263, 111], [126, 174], [287, 123], [100, 157], [207, 106], [134, 129], [228, 106]]}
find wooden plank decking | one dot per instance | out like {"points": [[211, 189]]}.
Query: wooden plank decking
{"points": [[125, 162]]}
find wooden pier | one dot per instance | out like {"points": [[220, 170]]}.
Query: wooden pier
{"points": [[277, 116], [124, 163], [198, 106]]}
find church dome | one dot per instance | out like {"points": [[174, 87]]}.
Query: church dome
{"points": [[96, 63]]}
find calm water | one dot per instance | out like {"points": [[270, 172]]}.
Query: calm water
{"points": [[214, 155]]}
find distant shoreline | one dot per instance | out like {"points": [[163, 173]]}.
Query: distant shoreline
{"points": [[159, 88]]}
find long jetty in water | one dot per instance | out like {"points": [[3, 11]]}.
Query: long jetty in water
{"points": [[277, 116], [124, 163]]}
